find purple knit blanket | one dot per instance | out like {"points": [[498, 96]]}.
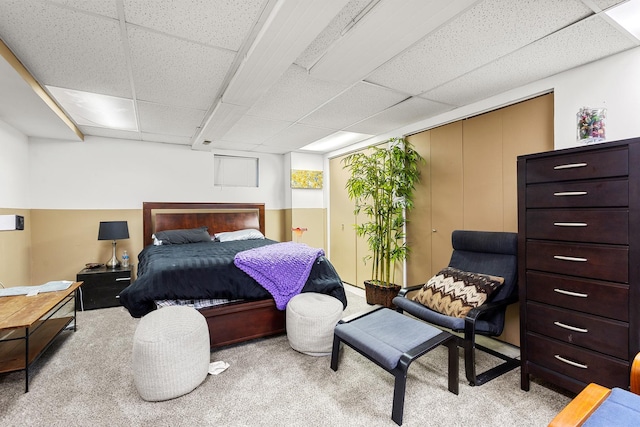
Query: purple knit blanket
{"points": [[281, 268]]}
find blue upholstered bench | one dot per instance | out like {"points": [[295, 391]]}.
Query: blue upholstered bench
{"points": [[599, 406], [620, 408], [392, 341]]}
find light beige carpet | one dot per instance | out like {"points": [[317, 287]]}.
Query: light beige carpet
{"points": [[85, 379]]}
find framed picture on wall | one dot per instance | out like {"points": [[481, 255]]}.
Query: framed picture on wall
{"points": [[309, 179]]}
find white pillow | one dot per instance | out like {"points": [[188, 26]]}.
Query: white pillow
{"points": [[246, 234]]}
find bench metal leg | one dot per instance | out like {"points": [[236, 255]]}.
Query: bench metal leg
{"points": [[399, 389], [454, 362], [334, 352]]}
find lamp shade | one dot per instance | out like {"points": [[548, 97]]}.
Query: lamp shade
{"points": [[113, 230]]}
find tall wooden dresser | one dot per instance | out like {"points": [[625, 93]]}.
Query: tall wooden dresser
{"points": [[579, 264]]}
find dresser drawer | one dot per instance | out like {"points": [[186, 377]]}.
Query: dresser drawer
{"points": [[583, 365], [582, 260], [579, 225], [583, 194], [586, 295], [585, 330], [600, 164]]}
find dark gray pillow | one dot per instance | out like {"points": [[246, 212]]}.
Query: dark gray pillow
{"points": [[179, 237]]}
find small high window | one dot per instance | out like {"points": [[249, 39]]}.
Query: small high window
{"points": [[235, 171]]}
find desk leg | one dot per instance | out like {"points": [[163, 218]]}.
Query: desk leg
{"points": [[26, 360]]}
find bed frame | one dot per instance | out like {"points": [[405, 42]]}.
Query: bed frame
{"points": [[234, 322]]}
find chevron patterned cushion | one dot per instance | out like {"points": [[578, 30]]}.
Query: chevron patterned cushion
{"points": [[454, 292]]}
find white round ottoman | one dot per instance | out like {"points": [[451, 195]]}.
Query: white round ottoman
{"points": [[311, 319], [171, 353]]}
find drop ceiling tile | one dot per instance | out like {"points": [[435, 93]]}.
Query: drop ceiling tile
{"points": [[224, 117], [332, 33], [272, 149], [359, 102], [606, 4], [166, 120], [228, 145], [297, 136], [104, 8], [223, 23], [167, 139], [189, 74], [486, 32], [295, 95], [77, 51], [254, 130], [409, 111], [110, 133], [25, 104], [560, 51]]}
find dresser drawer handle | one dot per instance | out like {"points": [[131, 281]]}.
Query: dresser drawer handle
{"points": [[569, 293], [571, 328], [569, 362], [570, 224], [570, 166], [569, 258], [570, 193], [122, 279]]}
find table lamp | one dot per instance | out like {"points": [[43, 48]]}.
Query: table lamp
{"points": [[113, 230]]}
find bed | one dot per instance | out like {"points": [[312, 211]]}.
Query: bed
{"points": [[247, 311]]}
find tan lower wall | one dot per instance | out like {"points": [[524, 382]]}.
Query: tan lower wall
{"points": [[63, 241], [275, 224], [315, 221], [15, 251]]}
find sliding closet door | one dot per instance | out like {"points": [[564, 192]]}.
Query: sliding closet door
{"points": [[518, 140], [446, 191], [419, 219], [342, 234], [482, 164]]}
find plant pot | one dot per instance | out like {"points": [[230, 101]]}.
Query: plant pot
{"points": [[382, 295]]}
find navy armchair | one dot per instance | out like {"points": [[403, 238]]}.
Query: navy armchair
{"points": [[492, 253]]}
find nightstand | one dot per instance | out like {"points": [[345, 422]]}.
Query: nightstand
{"points": [[102, 286]]}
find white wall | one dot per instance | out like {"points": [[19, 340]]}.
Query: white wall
{"points": [[307, 198], [102, 173], [613, 83], [14, 168]]}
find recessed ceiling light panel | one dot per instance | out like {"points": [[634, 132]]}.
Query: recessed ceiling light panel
{"points": [[336, 140], [627, 15], [92, 109]]}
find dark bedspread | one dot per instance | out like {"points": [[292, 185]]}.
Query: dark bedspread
{"points": [[206, 270]]}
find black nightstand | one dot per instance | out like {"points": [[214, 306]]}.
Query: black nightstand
{"points": [[102, 286]]}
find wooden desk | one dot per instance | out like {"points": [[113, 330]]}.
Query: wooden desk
{"points": [[36, 320]]}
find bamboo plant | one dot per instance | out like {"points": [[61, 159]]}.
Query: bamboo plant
{"points": [[381, 184]]}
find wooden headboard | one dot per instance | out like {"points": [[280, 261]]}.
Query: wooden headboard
{"points": [[218, 217]]}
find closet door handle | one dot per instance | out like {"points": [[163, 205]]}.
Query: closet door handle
{"points": [[570, 193], [570, 166], [569, 362], [571, 328], [569, 258], [571, 294], [570, 224]]}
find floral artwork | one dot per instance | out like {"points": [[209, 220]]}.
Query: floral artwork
{"points": [[306, 179], [591, 126]]}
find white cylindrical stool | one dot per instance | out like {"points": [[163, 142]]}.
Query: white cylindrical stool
{"points": [[171, 353], [311, 319]]}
